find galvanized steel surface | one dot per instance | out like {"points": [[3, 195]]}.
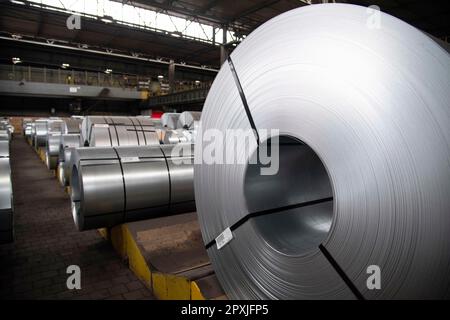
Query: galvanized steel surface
{"points": [[6, 195], [370, 108], [114, 185]]}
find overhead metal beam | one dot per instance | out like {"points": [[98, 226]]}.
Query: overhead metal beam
{"points": [[181, 11], [211, 4], [108, 54], [254, 9]]}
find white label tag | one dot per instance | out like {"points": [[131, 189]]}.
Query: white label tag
{"points": [[101, 125], [73, 89], [129, 159], [223, 238]]}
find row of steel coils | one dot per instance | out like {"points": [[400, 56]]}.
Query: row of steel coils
{"points": [[120, 168], [6, 191]]}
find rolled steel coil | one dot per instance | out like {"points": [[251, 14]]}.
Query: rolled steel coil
{"points": [[4, 135], [170, 120], [177, 136], [52, 151], [363, 182], [188, 120], [118, 131], [115, 185], [28, 130], [72, 126], [40, 132], [33, 133], [26, 126], [6, 195], [55, 126], [53, 140], [67, 143]]}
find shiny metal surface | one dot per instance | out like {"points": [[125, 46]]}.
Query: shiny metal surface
{"points": [[52, 151], [26, 127], [170, 120], [72, 126], [371, 107], [6, 195], [40, 133], [188, 119], [177, 136], [118, 131], [66, 144], [53, 139], [4, 135], [114, 185]]}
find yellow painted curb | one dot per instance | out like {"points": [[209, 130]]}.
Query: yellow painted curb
{"points": [[164, 286]]}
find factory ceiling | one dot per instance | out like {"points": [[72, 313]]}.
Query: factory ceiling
{"points": [[241, 18]]}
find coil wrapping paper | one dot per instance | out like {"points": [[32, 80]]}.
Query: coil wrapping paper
{"points": [[115, 185], [373, 104], [67, 143], [6, 195]]}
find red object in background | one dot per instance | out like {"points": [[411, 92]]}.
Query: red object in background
{"points": [[157, 114]]}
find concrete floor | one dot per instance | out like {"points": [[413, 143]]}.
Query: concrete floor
{"points": [[47, 242]]}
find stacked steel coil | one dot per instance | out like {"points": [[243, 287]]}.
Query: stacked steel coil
{"points": [[41, 131], [58, 134], [67, 143], [187, 127], [6, 126], [27, 127], [114, 185], [118, 131], [55, 129], [360, 205], [72, 126], [6, 194]]}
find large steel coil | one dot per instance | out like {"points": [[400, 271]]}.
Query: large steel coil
{"points": [[52, 150], [40, 133], [6, 195], [67, 143], [114, 185], [118, 131], [363, 186], [55, 128], [42, 127]]}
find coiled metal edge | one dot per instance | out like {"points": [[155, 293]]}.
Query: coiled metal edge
{"points": [[366, 111], [114, 185]]}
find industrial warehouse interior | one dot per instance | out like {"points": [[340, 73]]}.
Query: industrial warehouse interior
{"points": [[225, 151]]}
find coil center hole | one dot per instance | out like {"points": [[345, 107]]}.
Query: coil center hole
{"points": [[301, 179]]}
